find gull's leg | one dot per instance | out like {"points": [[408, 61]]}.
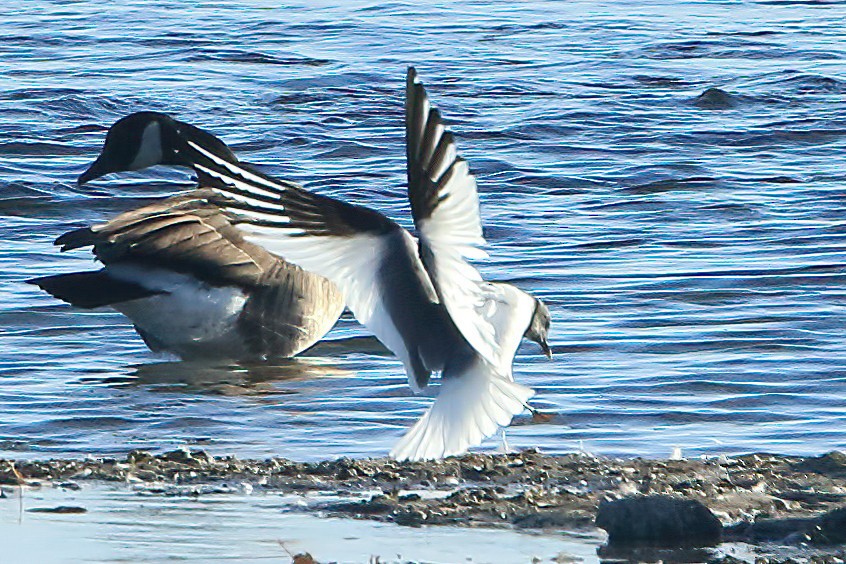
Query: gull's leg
{"points": [[503, 445]]}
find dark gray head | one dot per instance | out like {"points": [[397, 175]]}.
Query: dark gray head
{"points": [[146, 139], [538, 330]]}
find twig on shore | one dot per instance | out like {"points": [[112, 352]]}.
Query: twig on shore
{"points": [[21, 483]]}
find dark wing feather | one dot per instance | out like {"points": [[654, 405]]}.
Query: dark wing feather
{"points": [[445, 207], [441, 190], [91, 289]]}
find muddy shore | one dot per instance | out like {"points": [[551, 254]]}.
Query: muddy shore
{"points": [[761, 499]]}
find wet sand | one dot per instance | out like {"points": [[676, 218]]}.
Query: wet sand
{"points": [[766, 503]]}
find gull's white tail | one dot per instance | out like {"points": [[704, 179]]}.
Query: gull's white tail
{"points": [[469, 408]]}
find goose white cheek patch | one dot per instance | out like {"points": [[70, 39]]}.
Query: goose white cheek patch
{"points": [[150, 149]]}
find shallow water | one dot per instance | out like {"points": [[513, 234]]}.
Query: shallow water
{"points": [[120, 525], [692, 256]]}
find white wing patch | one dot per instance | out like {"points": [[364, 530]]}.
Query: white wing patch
{"points": [[509, 311], [352, 261], [353, 264], [256, 181], [470, 407]]}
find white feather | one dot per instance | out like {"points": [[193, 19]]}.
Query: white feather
{"points": [[353, 264], [509, 311], [451, 233], [241, 185], [189, 313], [241, 171], [470, 407], [150, 150]]}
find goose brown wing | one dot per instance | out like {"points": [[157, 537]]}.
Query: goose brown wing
{"points": [[186, 234]]}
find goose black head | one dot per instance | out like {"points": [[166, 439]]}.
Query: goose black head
{"points": [[145, 139], [538, 330]]}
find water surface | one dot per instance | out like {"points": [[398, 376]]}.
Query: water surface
{"points": [[120, 525], [691, 252]]}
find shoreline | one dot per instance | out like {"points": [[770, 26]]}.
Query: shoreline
{"points": [[760, 499]]}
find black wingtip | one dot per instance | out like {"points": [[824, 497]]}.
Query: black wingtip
{"points": [[410, 84]]}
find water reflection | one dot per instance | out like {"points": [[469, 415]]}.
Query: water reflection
{"points": [[243, 378]]}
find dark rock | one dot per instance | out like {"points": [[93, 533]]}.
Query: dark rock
{"points": [[409, 518], [715, 99], [812, 498], [826, 529], [178, 455], [136, 456], [62, 509], [769, 530], [552, 519], [346, 473], [202, 456], [376, 506], [659, 520], [830, 464], [833, 527]]}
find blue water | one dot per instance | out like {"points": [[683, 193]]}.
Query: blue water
{"points": [[693, 257]]}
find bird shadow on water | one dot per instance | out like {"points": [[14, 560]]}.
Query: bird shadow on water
{"points": [[220, 378], [252, 378]]}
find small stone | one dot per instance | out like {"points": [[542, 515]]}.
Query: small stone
{"points": [[73, 486], [715, 99], [136, 456], [347, 473], [410, 518], [180, 455], [552, 519]]}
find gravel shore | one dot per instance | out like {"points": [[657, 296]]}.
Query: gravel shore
{"points": [[760, 499]]}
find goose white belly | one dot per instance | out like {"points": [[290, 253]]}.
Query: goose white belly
{"points": [[190, 318]]}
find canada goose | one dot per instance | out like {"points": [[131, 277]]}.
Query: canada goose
{"points": [[182, 272]]}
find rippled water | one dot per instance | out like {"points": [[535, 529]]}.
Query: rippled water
{"points": [[692, 251]]}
